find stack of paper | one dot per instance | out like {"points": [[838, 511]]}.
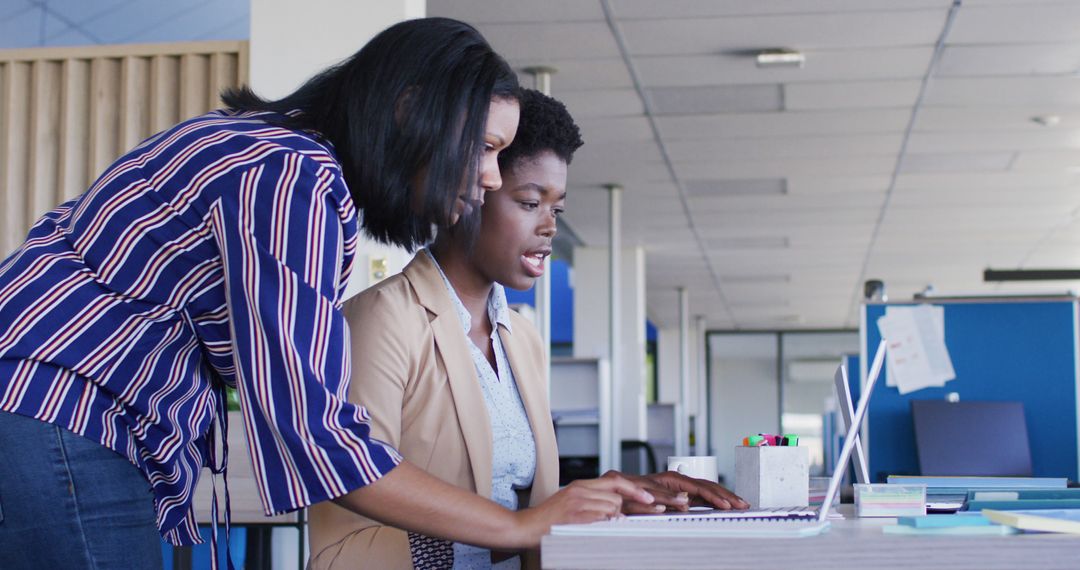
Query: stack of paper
{"points": [[917, 357], [1062, 521], [1024, 499], [951, 493], [958, 524]]}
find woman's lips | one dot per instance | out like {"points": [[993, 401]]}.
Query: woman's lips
{"points": [[533, 262]]}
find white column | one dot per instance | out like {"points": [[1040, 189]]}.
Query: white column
{"points": [[701, 431], [592, 327], [683, 409], [667, 365], [615, 319]]}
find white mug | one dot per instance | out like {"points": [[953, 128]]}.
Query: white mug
{"points": [[696, 466]]}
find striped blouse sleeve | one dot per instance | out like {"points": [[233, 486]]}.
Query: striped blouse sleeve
{"points": [[281, 238]]}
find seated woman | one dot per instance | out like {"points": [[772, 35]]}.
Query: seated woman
{"points": [[455, 380]]}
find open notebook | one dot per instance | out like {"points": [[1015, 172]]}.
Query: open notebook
{"points": [[793, 521]]}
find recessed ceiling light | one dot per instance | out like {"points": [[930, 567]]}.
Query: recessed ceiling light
{"points": [[1046, 120], [780, 57]]}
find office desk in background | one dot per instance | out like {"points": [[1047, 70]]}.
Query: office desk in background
{"points": [[849, 544]]}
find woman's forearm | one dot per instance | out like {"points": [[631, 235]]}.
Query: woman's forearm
{"points": [[408, 497]]}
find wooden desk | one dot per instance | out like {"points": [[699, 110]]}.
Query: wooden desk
{"points": [[850, 543]]}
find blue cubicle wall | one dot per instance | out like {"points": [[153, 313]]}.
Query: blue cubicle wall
{"points": [[1020, 350]]}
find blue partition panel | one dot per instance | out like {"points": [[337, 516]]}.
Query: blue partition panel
{"points": [[1014, 350]]}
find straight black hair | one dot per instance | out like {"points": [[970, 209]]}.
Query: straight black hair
{"points": [[411, 104]]}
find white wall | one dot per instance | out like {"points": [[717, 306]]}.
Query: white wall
{"points": [[292, 41]]}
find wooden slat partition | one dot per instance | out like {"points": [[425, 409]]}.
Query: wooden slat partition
{"points": [[67, 113]]}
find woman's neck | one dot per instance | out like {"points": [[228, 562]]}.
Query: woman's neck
{"points": [[470, 285]]}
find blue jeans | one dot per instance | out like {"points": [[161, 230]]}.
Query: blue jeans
{"points": [[69, 502]]}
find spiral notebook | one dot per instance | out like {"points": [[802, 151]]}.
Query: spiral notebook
{"points": [[764, 523]]}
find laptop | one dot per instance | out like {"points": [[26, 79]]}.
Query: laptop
{"points": [[764, 523]]}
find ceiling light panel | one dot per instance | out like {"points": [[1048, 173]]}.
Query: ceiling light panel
{"points": [[728, 187], [806, 123], [757, 279], [823, 31], [745, 243], [726, 69], [600, 102], [683, 150], [957, 162], [1044, 139], [579, 74], [991, 60], [516, 11], [784, 167], [552, 41], [985, 181], [651, 9], [1042, 160], [1053, 91], [708, 100], [1019, 23], [1008, 119], [850, 94]]}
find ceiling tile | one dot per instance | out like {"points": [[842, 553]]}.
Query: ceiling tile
{"points": [[801, 31], [602, 103], [515, 11], [651, 9], [1020, 23]]}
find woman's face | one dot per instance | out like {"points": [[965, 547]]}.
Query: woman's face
{"points": [[518, 222], [502, 123]]}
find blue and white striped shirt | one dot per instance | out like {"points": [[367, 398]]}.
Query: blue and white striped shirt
{"points": [[215, 253]]}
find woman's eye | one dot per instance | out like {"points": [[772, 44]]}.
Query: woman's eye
{"points": [[557, 211], [530, 205]]}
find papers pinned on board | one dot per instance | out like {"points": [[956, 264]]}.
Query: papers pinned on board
{"points": [[917, 357]]}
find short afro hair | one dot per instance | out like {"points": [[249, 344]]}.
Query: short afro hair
{"points": [[545, 124]]}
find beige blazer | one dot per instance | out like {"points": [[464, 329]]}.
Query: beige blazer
{"points": [[414, 373]]}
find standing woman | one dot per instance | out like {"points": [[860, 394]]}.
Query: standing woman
{"points": [[215, 254]]}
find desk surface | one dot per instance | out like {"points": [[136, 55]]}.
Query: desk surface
{"points": [[849, 543]]}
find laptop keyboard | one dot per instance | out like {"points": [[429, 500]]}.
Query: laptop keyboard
{"points": [[774, 513]]}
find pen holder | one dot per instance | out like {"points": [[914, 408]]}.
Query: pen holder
{"points": [[771, 476]]}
